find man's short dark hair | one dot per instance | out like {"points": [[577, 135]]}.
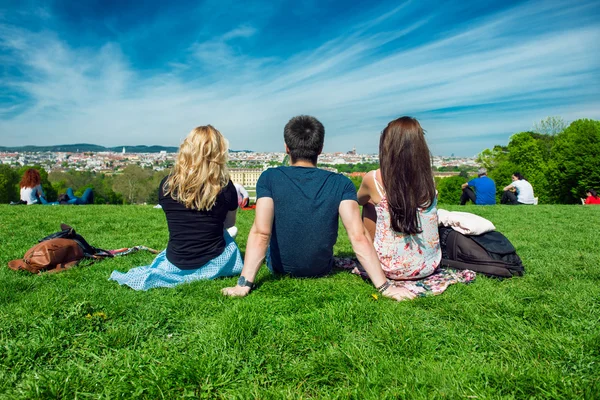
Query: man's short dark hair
{"points": [[304, 136]]}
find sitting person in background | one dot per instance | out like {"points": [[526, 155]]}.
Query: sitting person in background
{"points": [[242, 195], [485, 190], [31, 187], [298, 209], [518, 192], [200, 202], [32, 192], [405, 230], [592, 197]]}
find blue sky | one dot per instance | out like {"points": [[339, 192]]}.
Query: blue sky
{"points": [[122, 73]]}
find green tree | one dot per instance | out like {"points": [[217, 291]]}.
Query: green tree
{"points": [[9, 181], [550, 126], [491, 158], [574, 165], [132, 184], [154, 184], [357, 180], [450, 190], [102, 184], [106, 192]]}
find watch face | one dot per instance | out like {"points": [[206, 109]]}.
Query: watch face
{"points": [[241, 281]]}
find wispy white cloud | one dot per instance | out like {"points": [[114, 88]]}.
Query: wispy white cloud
{"points": [[244, 31], [355, 83]]}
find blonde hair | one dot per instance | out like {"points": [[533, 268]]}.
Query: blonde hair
{"points": [[200, 172]]}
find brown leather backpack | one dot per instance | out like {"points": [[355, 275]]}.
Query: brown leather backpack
{"points": [[52, 255]]}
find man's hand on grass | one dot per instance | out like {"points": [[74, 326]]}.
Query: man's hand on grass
{"points": [[236, 291]]}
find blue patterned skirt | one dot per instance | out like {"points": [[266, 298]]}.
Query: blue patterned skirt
{"points": [[161, 273]]}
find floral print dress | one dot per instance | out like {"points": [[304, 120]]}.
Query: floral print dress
{"points": [[405, 256], [410, 260]]}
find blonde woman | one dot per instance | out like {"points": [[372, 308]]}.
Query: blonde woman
{"points": [[200, 203]]}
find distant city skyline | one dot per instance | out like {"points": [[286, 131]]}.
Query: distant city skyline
{"points": [[130, 73], [113, 161], [169, 149]]}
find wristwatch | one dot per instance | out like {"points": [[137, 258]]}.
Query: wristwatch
{"points": [[243, 282]]}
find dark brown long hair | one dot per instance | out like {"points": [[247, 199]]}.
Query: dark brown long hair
{"points": [[31, 178], [406, 171]]}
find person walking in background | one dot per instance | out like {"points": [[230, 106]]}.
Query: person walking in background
{"points": [[405, 234], [242, 195], [484, 193], [518, 192], [297, 212], [200, 202], [31, 188], [592, 197]]}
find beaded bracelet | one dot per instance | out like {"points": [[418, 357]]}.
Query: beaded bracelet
{"points": [[384, 287]]}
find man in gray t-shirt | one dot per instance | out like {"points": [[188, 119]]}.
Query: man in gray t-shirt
{"points": [[297, 210]]}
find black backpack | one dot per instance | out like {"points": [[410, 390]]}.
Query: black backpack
{"points": [[491, 253], [68, 232]]}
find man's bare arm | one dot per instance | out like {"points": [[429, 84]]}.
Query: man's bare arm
{"points": [[256, 247], [363, 248]]}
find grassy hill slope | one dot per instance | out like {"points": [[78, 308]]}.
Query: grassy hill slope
{"points": [[78, 335]]}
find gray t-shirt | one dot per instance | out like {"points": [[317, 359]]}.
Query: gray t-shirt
{"points": [[305, 224]]}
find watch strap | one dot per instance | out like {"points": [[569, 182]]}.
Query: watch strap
{"points": [[242, 281]]}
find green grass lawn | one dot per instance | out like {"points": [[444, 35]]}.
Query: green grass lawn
{"points": [[78, 335]]}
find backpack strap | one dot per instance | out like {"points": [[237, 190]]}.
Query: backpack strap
{"points": [[67, 232]]}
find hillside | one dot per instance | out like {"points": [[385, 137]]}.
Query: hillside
{"points": [[78, 335]]}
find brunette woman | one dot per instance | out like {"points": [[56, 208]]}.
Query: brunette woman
{"points": [[400, 212]]}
